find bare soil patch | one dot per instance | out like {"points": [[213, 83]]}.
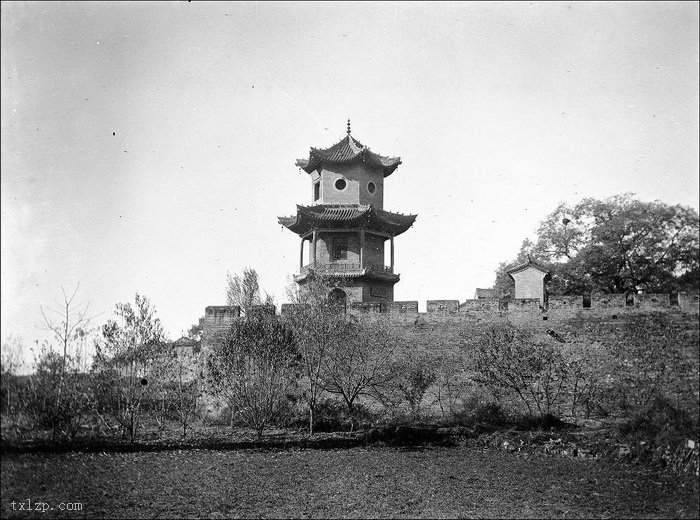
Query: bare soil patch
{"points": [[437, 482]]}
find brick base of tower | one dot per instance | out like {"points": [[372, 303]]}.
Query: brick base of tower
{"points": [[362, 290]]}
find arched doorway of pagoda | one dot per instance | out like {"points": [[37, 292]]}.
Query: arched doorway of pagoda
{"points": [[337, 297]]}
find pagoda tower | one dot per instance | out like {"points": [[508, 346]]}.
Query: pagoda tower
{"points": [[346, 226]]}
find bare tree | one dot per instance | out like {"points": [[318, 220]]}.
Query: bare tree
{"points": [[590, 365], [178, 374], [244, 290], [69, 323], [10, 364], [317, 327], [449, 383], [517, 360], [359, 363]]}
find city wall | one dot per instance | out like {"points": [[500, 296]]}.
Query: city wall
{"points": [[446, 332], [559, 308], [440, 327]]}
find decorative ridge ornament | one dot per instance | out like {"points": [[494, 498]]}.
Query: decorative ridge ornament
{"points": [[348, 126]]}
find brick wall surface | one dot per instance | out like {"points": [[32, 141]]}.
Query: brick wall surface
{"points": [[689, 301], [217, 320], [364, 308], [652, 300], [608, 300], [443, 306], [565, 303], [406, 308]]}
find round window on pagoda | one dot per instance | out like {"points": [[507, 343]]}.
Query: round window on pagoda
{"points": [[371, 187], [340, 184]]}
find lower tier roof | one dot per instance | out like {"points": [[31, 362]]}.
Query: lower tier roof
{"points": [[362, 273], [346, 216]]}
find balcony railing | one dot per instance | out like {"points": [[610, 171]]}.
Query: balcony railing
{"points": [[334, 268], [378, 268]]}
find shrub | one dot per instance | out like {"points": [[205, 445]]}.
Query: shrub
{"points": [[333, 416], [57, 396], [253, 369], [482, 417], [542, 422], [490, 414], [411, 378], [660, 423]]}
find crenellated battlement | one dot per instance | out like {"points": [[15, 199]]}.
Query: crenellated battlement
{"points": [[604, 307], [557, 307]]}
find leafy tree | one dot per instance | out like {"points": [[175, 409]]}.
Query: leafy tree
{"points": [[244, 290], [254, 369], [126, 356], [615, 245]]}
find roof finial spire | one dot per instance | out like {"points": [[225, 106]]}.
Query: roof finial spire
{"points": [[348, 126]]}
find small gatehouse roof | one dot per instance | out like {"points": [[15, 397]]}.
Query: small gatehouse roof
{"points": [[529, 264]]}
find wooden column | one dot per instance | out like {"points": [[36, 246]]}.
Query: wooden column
{"points": [[392, 254], [313, 249], [362, 248], [301, 255]]}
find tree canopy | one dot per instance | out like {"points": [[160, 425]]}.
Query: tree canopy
{"points": [[614, 245]]}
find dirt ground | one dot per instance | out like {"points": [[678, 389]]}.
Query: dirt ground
{"points": [[354, 483]]}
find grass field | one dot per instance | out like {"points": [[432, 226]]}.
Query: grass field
{"points": [[355, 483]]}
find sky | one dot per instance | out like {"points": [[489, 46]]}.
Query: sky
{"points": [[149, 147]]}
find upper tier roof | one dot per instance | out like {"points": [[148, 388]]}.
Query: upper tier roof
{"points": [[346, 216], [345, 152]]}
